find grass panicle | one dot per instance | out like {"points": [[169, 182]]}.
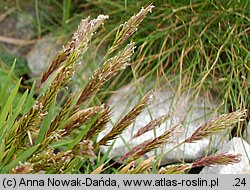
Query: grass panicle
{"points": [[85, 149], [80, 117], [99, 124], [129, 28], [175, 169], [24, 168], [211, 160], [80, 40], [127, 120], [150, 144], [152, 125], [62, 115], [214, 126], [109, 69], [49, 160], [217, 159], [70, 116]]}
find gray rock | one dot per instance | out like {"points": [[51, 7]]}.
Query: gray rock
{"points": [[42, 54], [44, 51], [187, 112], [18, 25], [234, 146]]}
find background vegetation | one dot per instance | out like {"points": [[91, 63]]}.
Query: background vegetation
{"points": [[199, 45]]}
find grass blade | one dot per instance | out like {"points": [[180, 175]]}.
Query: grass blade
{"points": [[8, 105]]}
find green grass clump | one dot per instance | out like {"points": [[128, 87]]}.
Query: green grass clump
{"points": [[49, 137], [199, 45]]}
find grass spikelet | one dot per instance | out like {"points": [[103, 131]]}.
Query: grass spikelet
{"points": [[175, 169], [110, 68], [80, 117], [85, 148], [135, 150], [26, 123], [217, 159], [53, 136], [41, 160], [129, 28], [81, 38], [121, 125], [62, 115], [99, 124], [126, 168], [151, 125], [49, 160], [144, 167], [221, 123], [150, 144], [24, 168]]}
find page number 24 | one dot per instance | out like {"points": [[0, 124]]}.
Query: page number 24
{"points": [[240, 182]]}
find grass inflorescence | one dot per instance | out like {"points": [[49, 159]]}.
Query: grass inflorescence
{"points": [[63, 140]]}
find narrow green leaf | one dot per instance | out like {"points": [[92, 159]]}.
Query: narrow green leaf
{"points": [[9, 125], [8, 105], [3, 93], [79, 137], [2, 149], [45, 124], [30, 99], [60, 143]]}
